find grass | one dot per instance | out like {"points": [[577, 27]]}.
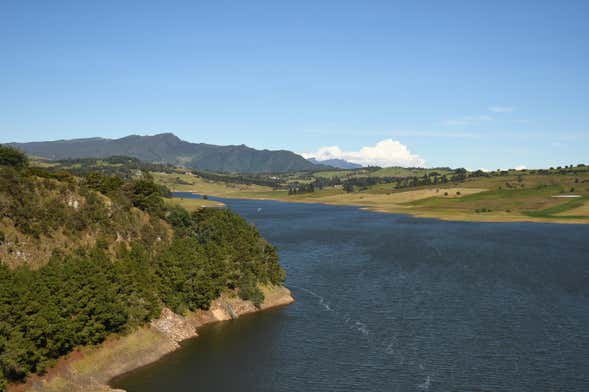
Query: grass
{"points": [[512, 196], [407, 172], [98, 359], [182, 182], [563, 210], [582, 210], [336, 173], [384, 172], [506, 204], [193, 204]]}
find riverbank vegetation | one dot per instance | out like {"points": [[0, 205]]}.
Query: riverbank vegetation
{"points": [[558, 194], [83, 257], [192, 204]]}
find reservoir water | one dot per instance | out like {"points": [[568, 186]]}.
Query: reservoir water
{"points": [[393, 303]]}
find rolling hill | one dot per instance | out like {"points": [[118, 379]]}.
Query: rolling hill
{"points": [[168, 148]]}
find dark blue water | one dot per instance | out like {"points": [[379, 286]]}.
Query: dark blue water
{"points": [[393, 303]]}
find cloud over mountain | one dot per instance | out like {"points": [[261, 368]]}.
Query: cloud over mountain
{"points": [[385, 153]]}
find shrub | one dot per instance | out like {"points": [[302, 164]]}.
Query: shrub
{"points": [[248, 290], [12, 157], [147, 195]]}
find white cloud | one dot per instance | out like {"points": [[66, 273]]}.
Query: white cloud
{"points": [[385, 153], [468, 120], [520, 167], [501, 109]]}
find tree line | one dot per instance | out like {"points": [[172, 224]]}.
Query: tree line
{"points": [[245, 179]]}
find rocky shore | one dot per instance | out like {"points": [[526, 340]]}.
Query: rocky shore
{"points": [[90, 369]]}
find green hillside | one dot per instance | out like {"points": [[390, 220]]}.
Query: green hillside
{"points": [[85, 257], [168, 148]]}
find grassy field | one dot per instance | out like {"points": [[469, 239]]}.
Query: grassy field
{"points": [[379, 172], [182, 182], [580, 210], [512, 196]]}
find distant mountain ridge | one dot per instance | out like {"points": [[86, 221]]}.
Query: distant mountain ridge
{"points": [[337, 163], [168, 148]]}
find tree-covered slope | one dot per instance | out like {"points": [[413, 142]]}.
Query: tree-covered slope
{"points": [[168, 148], [116, 255]]}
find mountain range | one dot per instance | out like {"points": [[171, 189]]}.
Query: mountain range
{"points": [[168, 148], [337, 163]]}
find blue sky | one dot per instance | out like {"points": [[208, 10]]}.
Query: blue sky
{"points": [[477, 84]]}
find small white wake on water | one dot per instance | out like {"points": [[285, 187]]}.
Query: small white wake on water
{"points": [[360, 327], [353, 324], [426, 384], [390, 349], [321, 299]]}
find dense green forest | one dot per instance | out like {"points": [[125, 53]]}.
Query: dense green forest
{"points": [[124, 275]]}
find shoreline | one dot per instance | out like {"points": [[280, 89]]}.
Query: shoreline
{"points": [[496, 217], [92, 369]]}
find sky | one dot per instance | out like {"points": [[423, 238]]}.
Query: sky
{"points": [[475, 84]]}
